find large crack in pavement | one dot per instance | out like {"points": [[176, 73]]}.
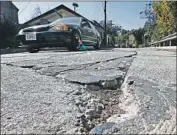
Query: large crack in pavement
{"points": [[107, 100], [150, 107], [100, 83]]}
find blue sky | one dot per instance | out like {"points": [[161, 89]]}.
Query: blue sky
{"points": [[125, 14]]}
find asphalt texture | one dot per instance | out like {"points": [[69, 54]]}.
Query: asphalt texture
{"points": [[149, 96], [80, 92]]}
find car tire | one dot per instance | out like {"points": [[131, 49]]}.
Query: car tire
{"points": [[32, 50], [75, 45], [98, 44]]}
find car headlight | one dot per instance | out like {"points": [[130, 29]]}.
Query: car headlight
{"points": [[58, 28], [20, 32]]}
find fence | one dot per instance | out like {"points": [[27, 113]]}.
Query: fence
{"points": [[166, 41]]}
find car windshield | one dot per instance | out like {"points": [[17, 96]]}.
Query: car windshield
{"points": [[69, 20]]}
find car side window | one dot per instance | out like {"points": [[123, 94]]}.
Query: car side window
{"points": [[85, 24], [92, 26]]}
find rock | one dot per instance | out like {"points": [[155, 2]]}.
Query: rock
{"points": [[82, 109], [89, 125], [93, 87], [78, 120], [119, 82], [77, 124], [122, 66], [78, 93], [81, 125], [110, 84], [89, 113], [84, 103], [105, 103], [80, 115], [128, 64], [81, 129], [83, 121], [72, 131], [92, 104], [116, 130], [92, 101], [86, 97], [78, 102], [100, 107]]}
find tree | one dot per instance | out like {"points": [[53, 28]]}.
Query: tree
{"points": [[138, 33], [164, 18], [111, 28], [148, 14], [160, 17], [37, 12], [75, 5]]}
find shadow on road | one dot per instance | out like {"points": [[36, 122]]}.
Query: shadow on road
{"points": [[65, 50]]}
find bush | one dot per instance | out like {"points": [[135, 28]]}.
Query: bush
{"points": [[8, 30], [140, 46]]}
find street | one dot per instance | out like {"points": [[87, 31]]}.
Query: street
{"points": [[106, 91]]}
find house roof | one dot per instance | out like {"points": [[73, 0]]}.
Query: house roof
{"points": [[52, 11], [96, 23], [58, 8], [14, 6]]}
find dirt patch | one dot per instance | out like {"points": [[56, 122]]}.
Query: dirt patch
{"points": [[105, 104], [110, 100]]}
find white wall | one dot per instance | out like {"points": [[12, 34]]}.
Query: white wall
{"points": [[52, 17]]}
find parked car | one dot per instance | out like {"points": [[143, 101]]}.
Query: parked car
{"points": [[64, 32]]}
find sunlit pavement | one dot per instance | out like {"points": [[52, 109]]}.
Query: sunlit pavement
{"points": [[39, 91]]}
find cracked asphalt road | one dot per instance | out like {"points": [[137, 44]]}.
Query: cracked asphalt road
{"points": [[40, 92], [150, 100], [35, 96]]}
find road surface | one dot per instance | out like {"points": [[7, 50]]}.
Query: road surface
{"points": [[81, 92]]}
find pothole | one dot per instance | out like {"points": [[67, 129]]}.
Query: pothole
{"points": [[99, 101], [97, 108], [102, 98]]}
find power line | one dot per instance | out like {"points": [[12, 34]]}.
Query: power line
{"points": [[25, 7], [94, 11], [98, 13]]}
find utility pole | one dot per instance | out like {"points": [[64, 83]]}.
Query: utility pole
{"points": [[105, 34]]}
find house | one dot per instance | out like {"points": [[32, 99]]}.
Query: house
{"points": [[60, 12], [8, 11], [131, 40]]}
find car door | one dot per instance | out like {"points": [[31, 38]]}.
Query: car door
{"points": [[95, 32], [87, 33]]}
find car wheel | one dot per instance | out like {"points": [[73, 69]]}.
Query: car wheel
{"points": [[75, 44], [98, 44], [32, 50]]}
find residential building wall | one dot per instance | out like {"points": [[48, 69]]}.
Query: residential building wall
{"points": [[52, 17], [8, 11]]}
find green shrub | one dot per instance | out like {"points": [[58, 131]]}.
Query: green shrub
{"points": [[140, 45], [8, 30]]}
